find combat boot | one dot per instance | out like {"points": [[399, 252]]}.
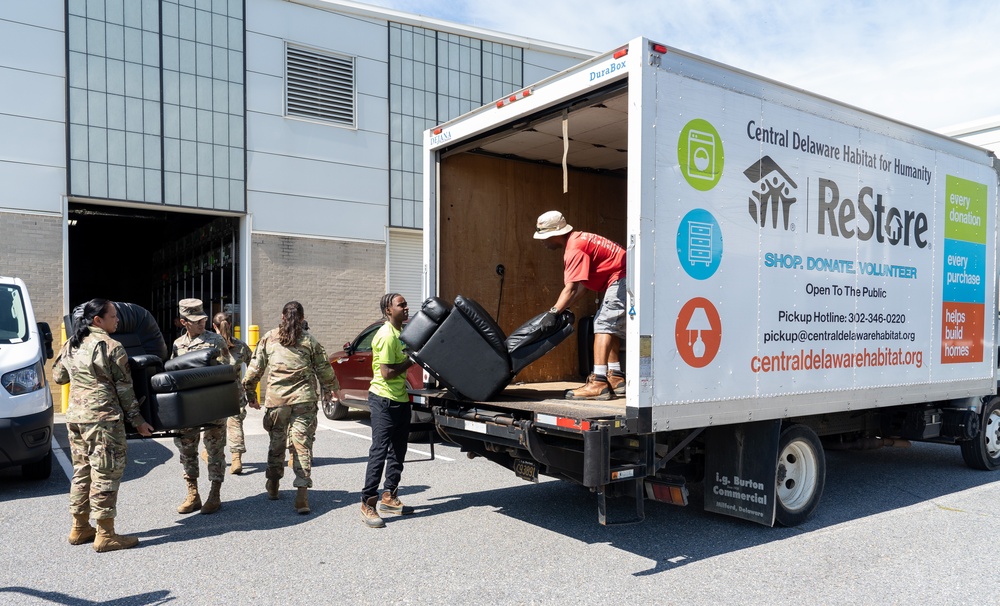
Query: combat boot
{"points": [[237, 467], [597, 388], [214, 501], [302, 500], [81, 532], [617, 382], [107, 540], [272, 488], [368, 514], [193, 500]]}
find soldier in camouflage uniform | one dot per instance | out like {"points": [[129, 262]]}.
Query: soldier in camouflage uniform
{"points": [[195, 338], [296, 361], [100, 395], [241, 354]]}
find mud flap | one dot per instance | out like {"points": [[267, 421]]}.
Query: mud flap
{"points": [[740, 468]]}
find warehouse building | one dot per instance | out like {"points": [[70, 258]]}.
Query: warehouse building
{"points": [[246, 152]]}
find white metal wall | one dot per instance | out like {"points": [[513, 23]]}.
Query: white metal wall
{"points": [[406, 265], [32, 106]]}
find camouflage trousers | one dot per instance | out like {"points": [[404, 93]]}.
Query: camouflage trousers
{"points": [[99, 454], [215, 444], [234, 431], [291, 428]]}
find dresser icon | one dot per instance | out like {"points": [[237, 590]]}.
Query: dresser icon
{"points": [[699, 243]]}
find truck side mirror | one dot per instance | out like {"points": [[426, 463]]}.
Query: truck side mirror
{"points": [[46, 334]]}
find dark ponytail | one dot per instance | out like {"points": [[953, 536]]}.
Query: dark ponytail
{"points": [[223, 327], [292, 320], [386, 302], [82, 322]]}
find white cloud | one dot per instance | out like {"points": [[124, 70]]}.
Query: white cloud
{"points": [[924, 62]]}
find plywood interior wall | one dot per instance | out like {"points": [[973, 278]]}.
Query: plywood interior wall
{"points": [[487, 217]]}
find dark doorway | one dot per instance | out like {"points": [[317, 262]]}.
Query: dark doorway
{"points": [[153, 259]]}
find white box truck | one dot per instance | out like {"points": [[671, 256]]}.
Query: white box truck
{"points": [[802, 275]]}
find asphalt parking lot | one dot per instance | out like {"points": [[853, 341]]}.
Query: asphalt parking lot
{"points": [[896, 526]]}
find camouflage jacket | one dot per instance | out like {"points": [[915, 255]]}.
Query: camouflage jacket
{"points": [[240, 353], [293, 371], [185, 344], [100, 387]]}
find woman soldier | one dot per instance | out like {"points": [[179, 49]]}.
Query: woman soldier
{"points": [[241, 354], [100, 395], [296, 361]]}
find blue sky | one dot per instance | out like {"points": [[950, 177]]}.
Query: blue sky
{"points": [[932, 64]]}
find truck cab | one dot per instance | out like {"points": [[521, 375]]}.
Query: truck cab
{"points": [[26, 411]]}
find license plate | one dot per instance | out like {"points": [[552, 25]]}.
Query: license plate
{"points": [[526, 470]]}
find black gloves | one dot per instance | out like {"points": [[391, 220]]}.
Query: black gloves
{"points": [[548, 321]]}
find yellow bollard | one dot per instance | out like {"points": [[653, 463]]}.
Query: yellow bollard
{"points": [[65, 388], [254, 333], [236, 331]]}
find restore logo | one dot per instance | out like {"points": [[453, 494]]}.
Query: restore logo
{"points": [[774, 188]]}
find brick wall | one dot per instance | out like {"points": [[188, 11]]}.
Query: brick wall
{"points": [[338, 283], [31, 249]]}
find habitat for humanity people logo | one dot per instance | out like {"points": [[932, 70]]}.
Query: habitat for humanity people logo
{"points": [[699, 151], [773, 191]]}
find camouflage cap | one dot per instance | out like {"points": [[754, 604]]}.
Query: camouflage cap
{"points": [[191, 309]]}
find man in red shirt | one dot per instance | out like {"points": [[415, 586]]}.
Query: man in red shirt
{"points": [[591, 262]]}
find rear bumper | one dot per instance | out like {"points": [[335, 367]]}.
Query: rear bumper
{"points": [[25, 439]]}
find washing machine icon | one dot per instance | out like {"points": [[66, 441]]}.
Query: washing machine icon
{"points": [[701, 155]]}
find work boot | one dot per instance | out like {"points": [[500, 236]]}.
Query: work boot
{"points": [[272, 488], [107, 540], [214, 501], [81, 532], [302, 500], [391, 504], [617, 382], [237, 467], [368, 514], [597, 388], [193, 500]]}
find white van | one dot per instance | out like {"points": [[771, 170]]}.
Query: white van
{"points": [[25, 399]]}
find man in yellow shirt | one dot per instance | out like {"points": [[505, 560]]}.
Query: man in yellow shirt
{"points": [[390, 409]]}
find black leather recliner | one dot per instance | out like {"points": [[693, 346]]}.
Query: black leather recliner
{"points": [[467, 352], [188, 391]]}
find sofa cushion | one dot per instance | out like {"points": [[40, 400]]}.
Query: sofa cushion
{"points": [[531, 331], [483, 323], [193, 359], [196, 407], [191, 378]]}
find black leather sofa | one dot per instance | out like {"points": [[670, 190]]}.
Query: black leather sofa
{"points": [[467, 352], [188, 391]]}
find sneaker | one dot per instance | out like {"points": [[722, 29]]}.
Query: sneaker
{"points": [[391, 504], [617, 382], [369, 516], [597, 388]]}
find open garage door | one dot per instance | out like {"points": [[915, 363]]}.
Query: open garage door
{"points": [[154, 259]]}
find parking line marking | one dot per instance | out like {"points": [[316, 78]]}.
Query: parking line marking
{"points": [[67, 467], [369, 438]]}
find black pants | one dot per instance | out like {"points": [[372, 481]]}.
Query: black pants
{"points": [[390, 428]]}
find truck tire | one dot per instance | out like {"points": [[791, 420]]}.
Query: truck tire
{"points": [[39, 470], [983, 451], [334, 410], [801, 475]]}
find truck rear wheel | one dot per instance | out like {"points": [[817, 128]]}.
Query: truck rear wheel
{"points": [[801, 475], [983, 451]]}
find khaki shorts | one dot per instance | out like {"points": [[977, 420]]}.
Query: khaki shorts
{"points": [[610, 317]]}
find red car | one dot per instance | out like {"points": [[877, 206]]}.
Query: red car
{"points": [[353, 367]]}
